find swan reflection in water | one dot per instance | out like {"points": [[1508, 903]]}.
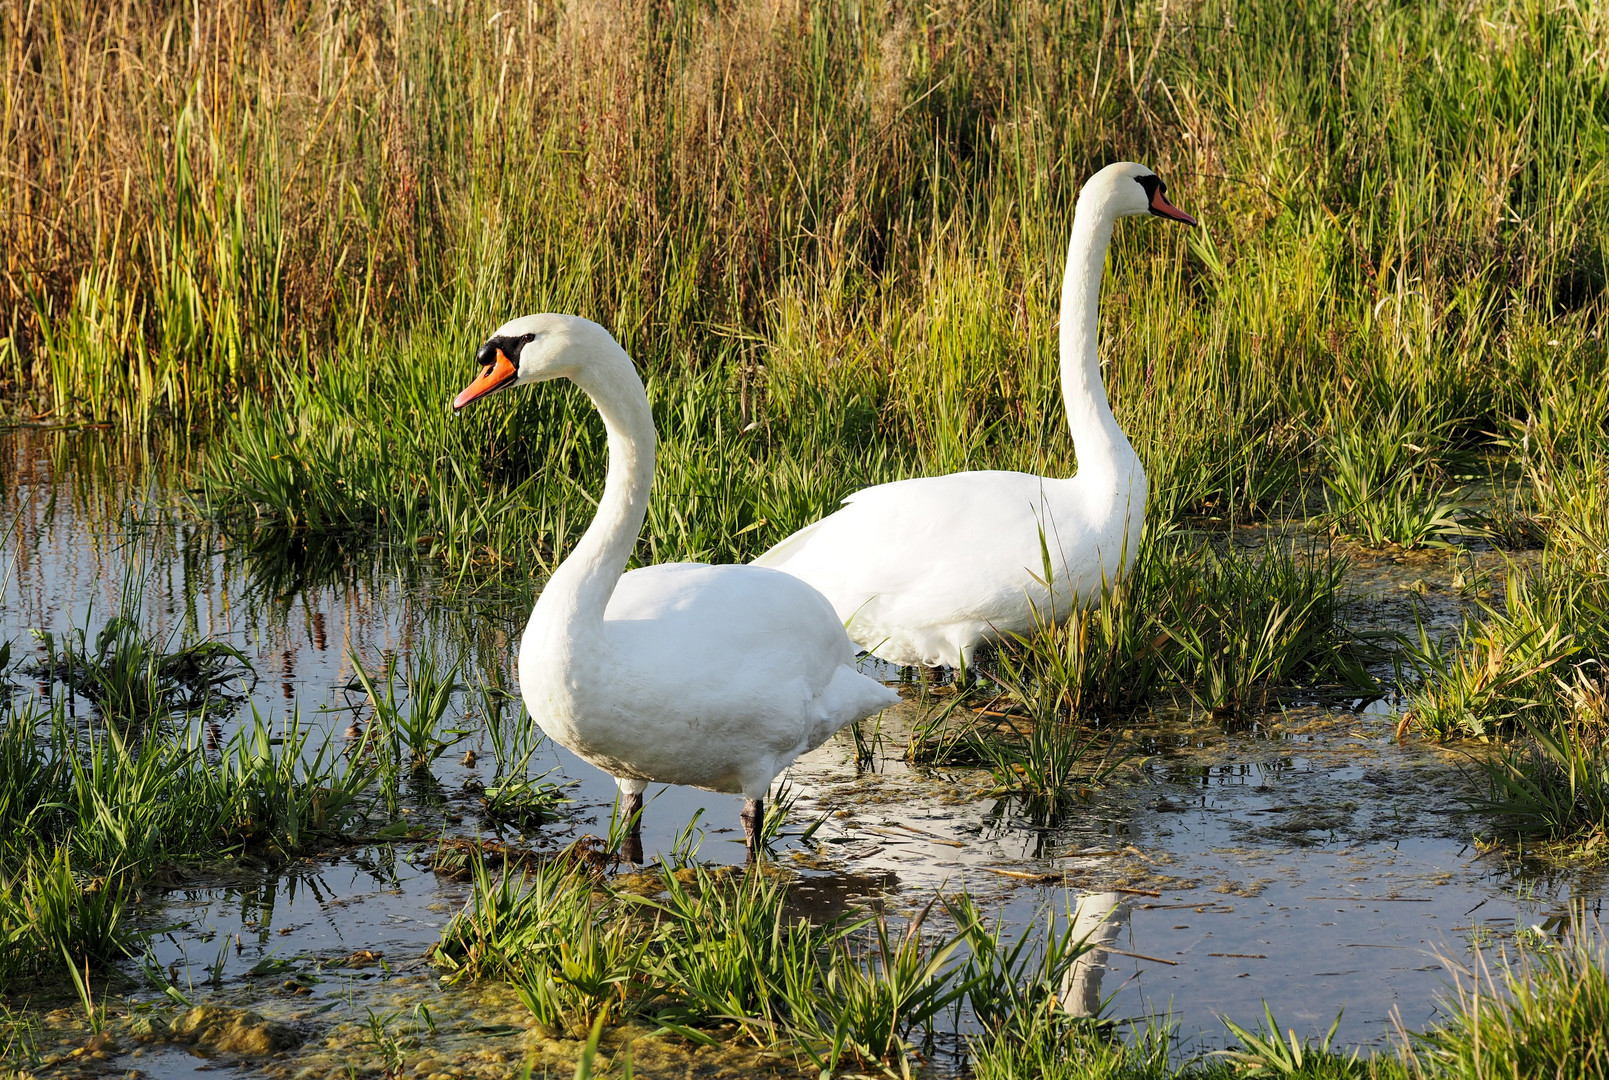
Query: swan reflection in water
{"points": [[1098, 919]]}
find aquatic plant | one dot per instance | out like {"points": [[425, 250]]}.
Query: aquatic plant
{"points": [[727, 946], [1512, 663], [48, 917], [1050, 1044], [1385, 486], [570, 956], [1553, 780], [1012, 986], [710, 954], [522, 801], [127, 807], [1049, 766], [1228, 628], [132, 676], [1265, 1052], [411, 736]]}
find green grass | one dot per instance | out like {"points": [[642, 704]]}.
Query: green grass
{"points": [[836, 262], [1542, 1014], [1227, 629], [1516, 660], [713, 955], [563, 940], [131, 677], [91, 811], [1385, 486], [830, 235]]}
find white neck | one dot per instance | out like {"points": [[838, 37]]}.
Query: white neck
{"points": [[1101, 446], [579, 590]]}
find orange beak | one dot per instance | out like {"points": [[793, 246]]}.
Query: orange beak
{"points": [[1162, 208], [493, 377]]}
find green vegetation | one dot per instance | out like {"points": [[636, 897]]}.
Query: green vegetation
{"points": [[830, 234], [1546, 1014], [716, 955], [712, 955], [1225, 630], [87, 813], [413, 736], [1384, 485]]}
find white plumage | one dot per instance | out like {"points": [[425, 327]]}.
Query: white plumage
{"points": [[717, 677], [923, 571]]}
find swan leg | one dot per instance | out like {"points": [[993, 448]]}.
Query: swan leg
{"points": [[631, 814], [753, 821]]}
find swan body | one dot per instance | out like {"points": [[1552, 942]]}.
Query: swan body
{"points": [[923, 571], [716, 677]]}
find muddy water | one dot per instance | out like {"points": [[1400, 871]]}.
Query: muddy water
{"points": [[1307, 860]]}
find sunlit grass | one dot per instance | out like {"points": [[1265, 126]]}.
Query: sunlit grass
{"points": [[1543, 1013]]}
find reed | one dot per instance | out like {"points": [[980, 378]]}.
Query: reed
{"points": [[829, 233]]}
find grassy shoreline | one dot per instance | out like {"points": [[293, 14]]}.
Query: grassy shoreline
{"points": [[830, 234]]}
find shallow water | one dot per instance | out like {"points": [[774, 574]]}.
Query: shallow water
{"points": [[1308, 860]]}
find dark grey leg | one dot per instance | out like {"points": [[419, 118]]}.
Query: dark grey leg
{"points": [[753, 819], [631, 809]]}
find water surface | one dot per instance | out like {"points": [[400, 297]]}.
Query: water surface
{"points": [[1307, 859]]}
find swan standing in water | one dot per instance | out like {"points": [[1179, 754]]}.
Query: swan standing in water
{"points": [[923, 571], [712, 676]]}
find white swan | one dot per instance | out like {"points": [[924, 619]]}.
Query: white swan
{"points": [[682, 673], [925, 570]]}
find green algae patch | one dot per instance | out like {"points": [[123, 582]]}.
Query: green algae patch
{"points": [[236, 1032]]}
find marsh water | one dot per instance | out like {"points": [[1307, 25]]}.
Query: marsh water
{"points": [[1306, 859]]}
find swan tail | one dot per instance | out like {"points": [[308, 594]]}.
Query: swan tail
{"points": [[849, 697], [777, 556]]}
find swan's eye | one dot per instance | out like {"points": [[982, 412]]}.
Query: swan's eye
{"points": [[508, 346], [1152, 185]]}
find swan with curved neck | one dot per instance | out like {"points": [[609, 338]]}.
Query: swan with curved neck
{"points": [[924, 571], [712, 676]]}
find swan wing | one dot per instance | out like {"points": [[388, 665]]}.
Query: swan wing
{"points": [[726, 674], [921, 569]]}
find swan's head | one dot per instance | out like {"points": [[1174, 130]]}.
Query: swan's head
{"points": [[1128, 190], [531, 349]]}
